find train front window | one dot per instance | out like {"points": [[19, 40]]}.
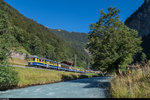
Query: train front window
{"points": [[29, 59], [55, 64]]}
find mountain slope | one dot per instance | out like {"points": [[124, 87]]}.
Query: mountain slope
{"points": [[75, 39], [140, 21], [38, 39]]}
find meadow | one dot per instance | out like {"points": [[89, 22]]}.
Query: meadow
{"points": [[32, 76]]}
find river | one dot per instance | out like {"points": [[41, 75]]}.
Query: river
{"points": [[96, 87]]}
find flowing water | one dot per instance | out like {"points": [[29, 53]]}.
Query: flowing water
{"points": [[96, 87]]}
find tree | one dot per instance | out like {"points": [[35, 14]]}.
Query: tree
{"points": [[143, 57], [8, 78], [4, 36], [49, 52], [111, 43], [36, 46]]}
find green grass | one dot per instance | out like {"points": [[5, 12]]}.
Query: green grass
{"points": [[29, 76], [134, 85]]}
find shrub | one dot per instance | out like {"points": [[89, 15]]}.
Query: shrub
{"points": [[8, 78]]}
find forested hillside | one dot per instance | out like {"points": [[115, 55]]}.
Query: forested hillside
{"points": [[38, 39], [75, 39]]}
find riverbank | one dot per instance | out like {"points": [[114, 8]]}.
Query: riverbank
{"points": [[32, 77], [134, 85]]}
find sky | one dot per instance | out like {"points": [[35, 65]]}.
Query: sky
{"points": [[71, 15]]}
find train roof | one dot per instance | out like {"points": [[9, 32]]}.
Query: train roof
{"points": [[33, 56]]}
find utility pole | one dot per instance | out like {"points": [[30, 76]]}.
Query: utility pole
{"points": [[88, 64]]}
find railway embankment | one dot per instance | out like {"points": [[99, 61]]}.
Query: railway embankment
{"points": [[33, 76]]}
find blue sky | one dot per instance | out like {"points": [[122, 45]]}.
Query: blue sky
{"points": [[71, 15]]}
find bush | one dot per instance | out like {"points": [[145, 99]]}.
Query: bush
{"points": [[8, 78]]}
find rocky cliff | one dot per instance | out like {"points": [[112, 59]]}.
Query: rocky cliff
{"points": [[140, 20]]}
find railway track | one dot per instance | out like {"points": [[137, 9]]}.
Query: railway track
{"points": [[34, 67], [41, 68]]}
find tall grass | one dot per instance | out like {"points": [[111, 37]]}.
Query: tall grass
{"points": [[134, 85]]}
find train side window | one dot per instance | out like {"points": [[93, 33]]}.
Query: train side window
{"points": [[33, 59], [40, 60]]}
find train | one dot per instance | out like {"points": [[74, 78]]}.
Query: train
{"points": [[35, 61]]}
